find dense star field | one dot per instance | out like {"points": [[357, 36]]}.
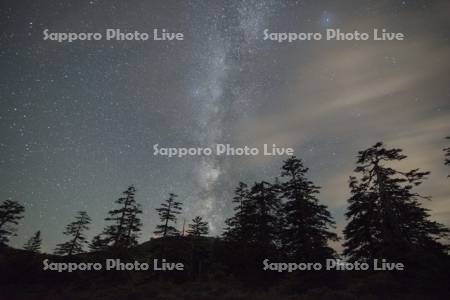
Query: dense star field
{"points": [[78, 121]]}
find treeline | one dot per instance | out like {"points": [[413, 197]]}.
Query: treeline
{"points": [[282, 219], [122, 233]]}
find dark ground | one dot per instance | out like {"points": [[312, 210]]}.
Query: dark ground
{"points": [[215, 277]]}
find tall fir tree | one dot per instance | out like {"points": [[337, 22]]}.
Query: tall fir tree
{"points": [[76, 231], [34, 243], [126, 224], [168, 214], [256, 220], [253, 233], [10, 214], [306, 229], [265, 217], [198, 227], [238, 227], [386, 219], [133, 227]]}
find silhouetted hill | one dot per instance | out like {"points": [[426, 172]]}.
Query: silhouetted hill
{"points": [[208, 275]]}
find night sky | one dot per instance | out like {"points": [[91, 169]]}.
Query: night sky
{"points": [[78, 120]]}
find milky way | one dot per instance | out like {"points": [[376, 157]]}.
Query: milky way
{"points": [[232, 33]]}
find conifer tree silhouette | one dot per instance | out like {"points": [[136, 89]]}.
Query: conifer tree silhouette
{"points": [[133, 227], [266, 205], [167, 213], [198, 227], [124, 231], [253, 233], [386, 219], [10, 214], [238, 227], [305, 233], [256, 220], [34, 243], [76, 231]]}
